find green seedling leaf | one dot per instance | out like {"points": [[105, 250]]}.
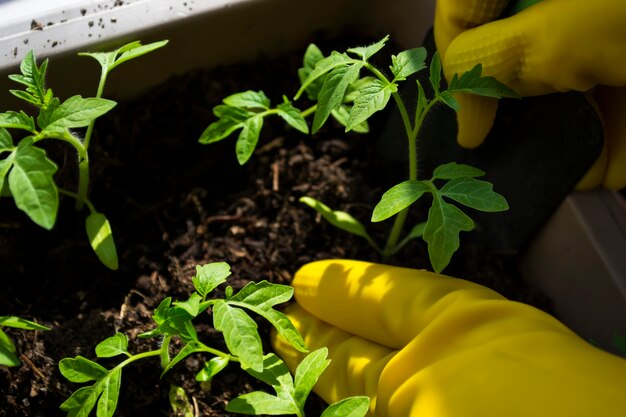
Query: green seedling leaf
{"points": [[240, 333], [187, 350], [110, 387], [257, 403], [101, 239], [373, 97], [348, 407], [33, 77], [32, 185], [293, 117], [80, 369], [448, 99], [407, 63], [6, 142], [472, 82], [283, 326], [322, 67], [421, 99], [209, 276], [248, 100], [211, 368], [276, 374], [82, 401], [366, 52], [45, 113], [7, 347], [20, 323], [354, 89], [105, 59], [333, 90], [160, 313], [5, 166], [110, 60], [218, 130], [452, 170], [15, 120], [397, 198], [261, 297], [308, 372], [435, 72], [248, 138], [113, 346], [342, 114], [6, 341], [339, 219], [23, 95], [230, 120], [77, 112], [444, 224], [179, 402], [311, 57], [474, 193], [192, 305], [172, 321], [236, 114], [178, 322], [7, 351], [134, 50]]}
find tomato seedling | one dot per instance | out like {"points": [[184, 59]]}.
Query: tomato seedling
{"points": [[174, 319], [336, 84], [26, 172]]}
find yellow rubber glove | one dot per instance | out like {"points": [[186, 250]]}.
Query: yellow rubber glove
{"points": [[421, 344], [553, 46]]}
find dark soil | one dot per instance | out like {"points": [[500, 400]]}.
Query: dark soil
{"points": [[174, 204]]}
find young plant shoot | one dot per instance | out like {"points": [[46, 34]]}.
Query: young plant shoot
{"points": [[174, 319], [8, 353], [26, 172], [336, 84]]}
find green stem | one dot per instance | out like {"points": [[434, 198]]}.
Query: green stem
{"points": [[64, 136], [165, 352], [137, 357], [83, 160], [412, 133], [90, 206], [309, 111], [83, 165], [205, 348], [83, 181], [103, 79]]}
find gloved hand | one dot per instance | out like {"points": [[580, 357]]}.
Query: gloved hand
{"points": [[422, 344], [552, 46]]}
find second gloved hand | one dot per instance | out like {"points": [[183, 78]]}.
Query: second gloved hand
{"points": [[553, 46]]}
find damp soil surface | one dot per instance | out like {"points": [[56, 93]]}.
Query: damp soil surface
{"points": [[174, 204]]}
